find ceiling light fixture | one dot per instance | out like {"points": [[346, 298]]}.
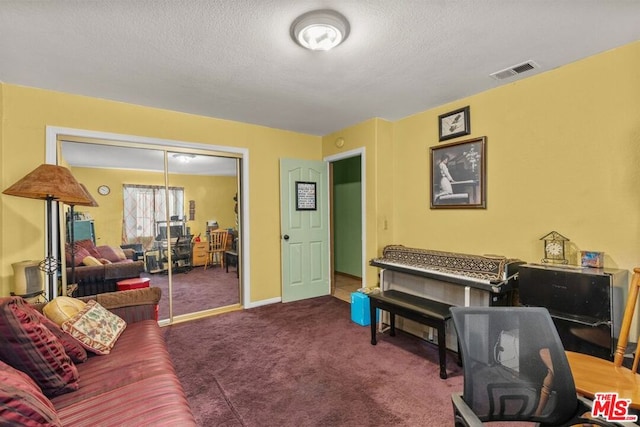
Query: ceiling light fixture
{"points": [[320, 29], [184, 158]]}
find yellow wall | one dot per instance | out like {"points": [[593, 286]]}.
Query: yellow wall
{"points": [[562, 150], [27, 111], [376, 137], [562, 154], [213, 196]]}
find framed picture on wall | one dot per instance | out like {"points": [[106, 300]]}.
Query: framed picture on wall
{"points": [[454, 124], [306, 196], [458, 174]]}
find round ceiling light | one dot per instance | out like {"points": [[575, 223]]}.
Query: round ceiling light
{"points": [[320, 29]]}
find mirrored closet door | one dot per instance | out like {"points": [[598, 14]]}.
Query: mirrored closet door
{"points": [[172, 213]]}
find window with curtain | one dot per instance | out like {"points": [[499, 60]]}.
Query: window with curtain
{"points": [[144, 205]]}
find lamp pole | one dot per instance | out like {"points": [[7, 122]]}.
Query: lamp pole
{"points": [[49, 265]]}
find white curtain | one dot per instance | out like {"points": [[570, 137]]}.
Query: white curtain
{"points": [[144, 205]]}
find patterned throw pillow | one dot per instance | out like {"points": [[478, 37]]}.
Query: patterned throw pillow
{"points": [[22, 402], [28, 345], [95, 327]]}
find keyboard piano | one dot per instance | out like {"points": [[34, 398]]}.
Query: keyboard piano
{"points": [[451, 278]]}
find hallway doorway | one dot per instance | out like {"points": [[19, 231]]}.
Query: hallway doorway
{"points": [[347, 226]]}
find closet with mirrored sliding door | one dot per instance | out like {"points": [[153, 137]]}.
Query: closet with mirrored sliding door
{"points": [[165, 203]]}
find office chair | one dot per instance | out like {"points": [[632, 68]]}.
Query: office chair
{"points": [[515, 369]]}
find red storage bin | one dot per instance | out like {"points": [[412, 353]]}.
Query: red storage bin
{"points": [[135, 283]]}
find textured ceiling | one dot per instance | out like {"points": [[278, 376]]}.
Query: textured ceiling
{"points": [[234, 59]]}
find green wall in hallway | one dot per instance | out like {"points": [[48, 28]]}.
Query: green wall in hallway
{"points": [[347, 220]]}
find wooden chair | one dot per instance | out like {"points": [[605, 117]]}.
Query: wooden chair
{"points": [[594, 375], [217, 246]]}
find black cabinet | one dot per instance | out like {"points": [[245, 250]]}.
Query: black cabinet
{"points": [[586, 304], [82, 230]]}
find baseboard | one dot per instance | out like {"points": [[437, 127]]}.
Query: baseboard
{"points": [[263, 302]]}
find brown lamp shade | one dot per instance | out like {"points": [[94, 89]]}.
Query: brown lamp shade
{"points": [[51, 182], [93, 203]]}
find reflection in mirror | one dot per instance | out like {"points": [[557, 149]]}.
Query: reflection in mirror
{"points": [[98, 232], [160, 230], [203, 229]]}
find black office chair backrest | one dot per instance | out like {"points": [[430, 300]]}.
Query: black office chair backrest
{"points": [[515, 368]]}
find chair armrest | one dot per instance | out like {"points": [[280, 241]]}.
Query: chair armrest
{"points": [[133, 305], [463, 415]]}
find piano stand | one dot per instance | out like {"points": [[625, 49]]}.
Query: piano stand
{"points": [[422, 310]]}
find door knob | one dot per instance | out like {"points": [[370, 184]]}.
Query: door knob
{"points": [[285, 237]]}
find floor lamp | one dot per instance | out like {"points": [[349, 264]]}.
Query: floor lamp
{"points": [[92, 203], [49, 183]]}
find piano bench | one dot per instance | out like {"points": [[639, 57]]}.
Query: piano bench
{"points": [[452, 199], [422, 310]]}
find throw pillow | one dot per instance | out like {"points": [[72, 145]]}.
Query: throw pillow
{"points": [[90, 260], [22, 402], [72, 346], [109, 252], [61, 309], [95, 327], [79, 254], [89, 246], [28, 345]]}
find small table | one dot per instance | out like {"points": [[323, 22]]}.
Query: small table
{"points": [[134, 283], [231, 257], [594, 375]]}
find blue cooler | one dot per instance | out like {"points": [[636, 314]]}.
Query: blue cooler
{"points": [[360, 311]]}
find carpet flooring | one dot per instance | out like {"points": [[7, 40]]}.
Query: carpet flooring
{"points": [[306, 363], [197, 290]]}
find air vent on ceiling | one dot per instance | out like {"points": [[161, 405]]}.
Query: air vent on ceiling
{"points": [[514, 70]]}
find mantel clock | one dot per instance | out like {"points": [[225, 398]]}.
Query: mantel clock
{"points": [[554, 248]]}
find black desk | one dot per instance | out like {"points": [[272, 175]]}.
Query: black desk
{"points": [[231, 257]]}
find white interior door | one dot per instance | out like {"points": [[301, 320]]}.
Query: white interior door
{"points": [[304, 229]]}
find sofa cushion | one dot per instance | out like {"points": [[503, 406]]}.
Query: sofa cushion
{"points": [[72, 346], [137, 379], [28, 345], [112, 253], [139, 353], [95, 327], [22, 402]]}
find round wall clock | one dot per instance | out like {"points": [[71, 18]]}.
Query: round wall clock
{"points": [[103, 190]]}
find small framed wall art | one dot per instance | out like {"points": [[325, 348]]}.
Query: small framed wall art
{"points": [[454, 124], [592, 259], [306, 196]]}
